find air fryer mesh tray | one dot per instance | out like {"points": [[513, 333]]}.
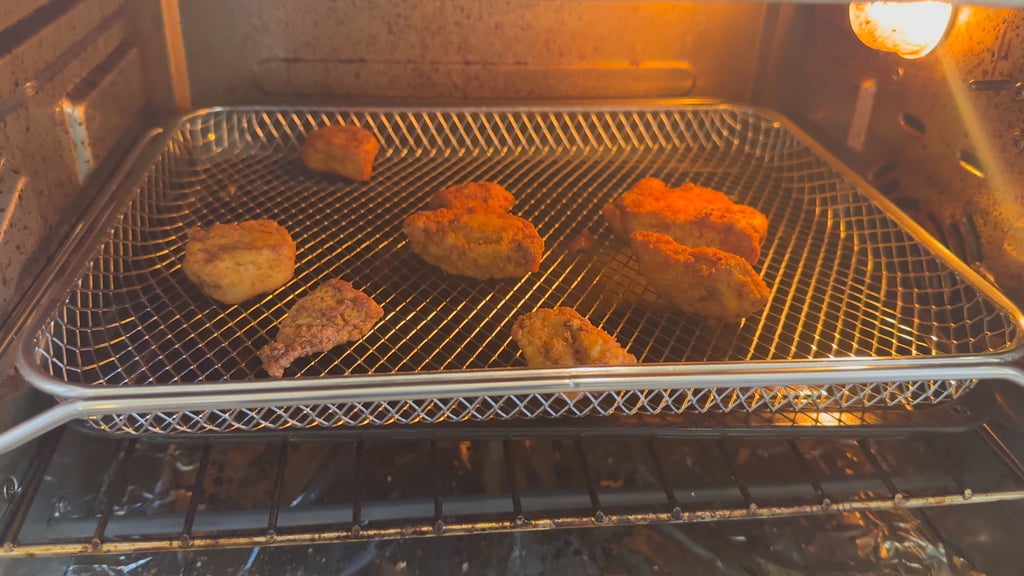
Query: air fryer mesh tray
{"points": [[847, 279]]}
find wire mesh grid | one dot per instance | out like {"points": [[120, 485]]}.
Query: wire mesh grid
{"points": [[845, 279], [836, 402]]}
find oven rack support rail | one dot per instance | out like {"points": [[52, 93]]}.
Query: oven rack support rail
{"points": [[804, 490]]}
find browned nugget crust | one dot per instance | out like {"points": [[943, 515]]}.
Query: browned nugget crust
{"points": [[692, 215], [473, 195], [235, 262], [343, 150], [480, 244], [557, 337], [332, 314], [703, 281]]}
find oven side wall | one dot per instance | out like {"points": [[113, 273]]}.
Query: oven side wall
{"points": [[73, 78], [948, 154], [72, 93]]}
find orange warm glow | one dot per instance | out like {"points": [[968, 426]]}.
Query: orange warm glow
{"points": [[910, 29]]}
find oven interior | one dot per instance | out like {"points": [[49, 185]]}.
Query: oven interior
{"points": [[940, 136]]}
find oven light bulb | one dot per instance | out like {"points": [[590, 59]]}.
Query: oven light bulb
{"points": [[910, 29]]}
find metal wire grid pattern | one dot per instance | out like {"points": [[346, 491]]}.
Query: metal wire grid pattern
{"points": [[845, 279], [458, 489], [833, 400]]}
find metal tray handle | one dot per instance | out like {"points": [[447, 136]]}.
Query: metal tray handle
{"points": [[572, 380]]}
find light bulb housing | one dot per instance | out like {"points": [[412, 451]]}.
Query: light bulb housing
{"points": [[909, 29]]}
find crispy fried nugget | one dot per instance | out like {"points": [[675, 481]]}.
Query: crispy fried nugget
{"points": [[704, 281], [484, 195], [692, 215], [344, 150], [332, 314], [480, 244], [556, 337], [234, 262]]}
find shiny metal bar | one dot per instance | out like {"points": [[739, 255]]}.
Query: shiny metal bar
{"points": [[404, 510], [131, 407], [116, 485], [872, 458], [659, 470], [196, 497], [730, 466], [805, 469], [275, 496], [357, 489], [588, 479], [508, 452]]}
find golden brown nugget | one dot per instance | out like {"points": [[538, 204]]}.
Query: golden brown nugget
{"points": [[482, 195], [692, 215], [557, 337], [480, 244], [235, 262], [343, 150], [332, 314], [704, 281]]}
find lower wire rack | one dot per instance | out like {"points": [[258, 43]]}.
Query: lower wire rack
{"points": [[86, 494]]}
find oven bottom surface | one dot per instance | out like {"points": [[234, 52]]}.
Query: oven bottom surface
{"points": [[855, 496]]}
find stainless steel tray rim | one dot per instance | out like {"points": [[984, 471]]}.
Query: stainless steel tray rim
{"points": [[801, 372], [83, 408]]}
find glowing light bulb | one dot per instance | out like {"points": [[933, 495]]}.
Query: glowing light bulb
{"points": [[910, 29]]}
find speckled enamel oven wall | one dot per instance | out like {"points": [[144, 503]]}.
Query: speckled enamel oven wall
{"points": [[71, 89]]}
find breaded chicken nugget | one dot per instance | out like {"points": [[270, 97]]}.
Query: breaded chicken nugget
{"points": [[556, 337], [480, 244], [473, 195], [704, 281], [344, 150], [332, 314], [692, 215], [235, 262]]}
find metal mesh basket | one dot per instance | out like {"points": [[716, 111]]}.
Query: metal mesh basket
{"points": [[847, 279]]}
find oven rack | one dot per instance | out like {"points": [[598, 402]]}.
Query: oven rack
{"points": [[464, 483], [867, 310]]}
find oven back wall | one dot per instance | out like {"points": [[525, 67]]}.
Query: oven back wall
{"points": [[254, 51]]}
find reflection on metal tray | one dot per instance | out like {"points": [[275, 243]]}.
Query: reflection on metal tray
{"points": [[848, 279]]}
